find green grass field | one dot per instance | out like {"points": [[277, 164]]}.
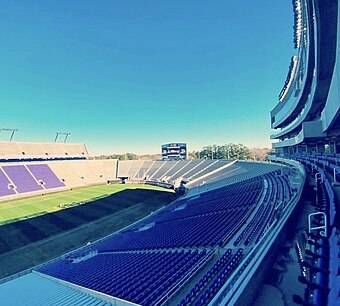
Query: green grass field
{"points": [[20, 209]]}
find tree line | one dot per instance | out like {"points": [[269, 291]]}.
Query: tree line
{"points": [[229, 151]]}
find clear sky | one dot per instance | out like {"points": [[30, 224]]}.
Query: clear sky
{"points": [[130, 75]]}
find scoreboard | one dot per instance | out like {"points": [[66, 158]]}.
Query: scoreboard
{"points": [[174, 151]]}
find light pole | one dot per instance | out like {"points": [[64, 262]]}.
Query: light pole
{"points": [[66, 134], [9, 130]]}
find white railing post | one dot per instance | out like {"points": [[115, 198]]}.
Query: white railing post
{"points": [[335, 182], [323, 226], [318, 176]]}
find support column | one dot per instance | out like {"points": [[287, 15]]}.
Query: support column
{"points": [[301, 149], [285, 150], [337, 148], [320, 148], [311, 148], [332, 147]]}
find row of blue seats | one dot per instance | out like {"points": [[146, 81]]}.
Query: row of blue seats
{"points": [[134, 277], [234, 189], [201, 284], [229, 203], [213, 201], [265, 214], [279, 198], [324, 161], [265, 217], [220, 279], [204, 230], [325, 187], [249, 225]]}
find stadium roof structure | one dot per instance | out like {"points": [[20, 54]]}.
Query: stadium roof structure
{"points": [[307, 116]]}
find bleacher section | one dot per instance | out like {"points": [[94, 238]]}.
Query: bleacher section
{"points": [[177, 167], [208, 168], [168, 171], [162, 173], [22, 178], [26, 151], [140, 175], [322, 164], [235, 172], [29, 168], [207, 287], [45, 175], [29, 178], [5, 189], [141, 278], [77, 173], [155, 167]]}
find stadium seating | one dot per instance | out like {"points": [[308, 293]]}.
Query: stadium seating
{"points": [[27, 151], [180, 238], [168, 165], [192, 165], [140, 175], [323, 250], [178, 167], [43, 173], [209, 168], [236, 172], [4, 185], [141, 278], [151, 261], [16, 179], [22, 178], [216, 277], [155, 167]]}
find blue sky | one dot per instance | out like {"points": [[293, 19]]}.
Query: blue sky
{"points": [[129, 75]]}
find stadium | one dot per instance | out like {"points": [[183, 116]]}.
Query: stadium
{"points": [[176, 231]]}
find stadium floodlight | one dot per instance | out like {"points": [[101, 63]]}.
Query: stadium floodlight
{"points": [[66, 134], [9, 130]]}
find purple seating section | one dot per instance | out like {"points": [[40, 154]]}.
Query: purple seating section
{"points": [[27, 178], [4, 190], [43, 172], [21, 178]]}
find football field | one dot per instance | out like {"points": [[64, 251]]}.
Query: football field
{"points": [[15, 210]]}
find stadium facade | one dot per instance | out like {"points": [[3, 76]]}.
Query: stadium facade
{"points": [[307, 115], [306, 127]]}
